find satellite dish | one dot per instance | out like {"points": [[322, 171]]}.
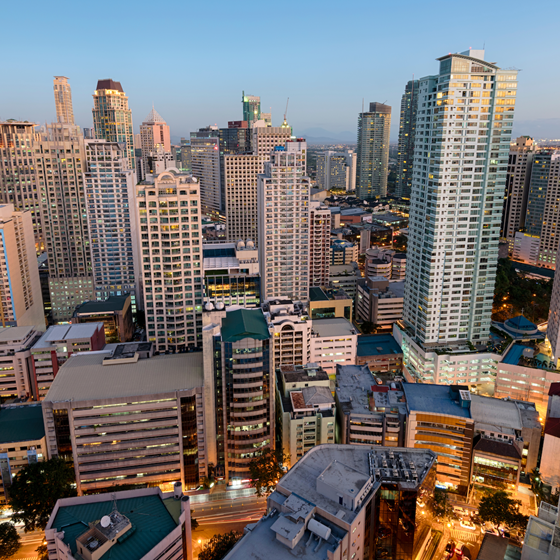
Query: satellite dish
{"points": [[105, 521]]}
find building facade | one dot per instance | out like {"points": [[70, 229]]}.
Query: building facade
{"points": [[154, 135], [451, 271], [373, 151], [112, 119], [112, 217], [337, 170], [251, 108], [283, 218], [63, 100], [407, 131], [319, 244], [171, 245]]}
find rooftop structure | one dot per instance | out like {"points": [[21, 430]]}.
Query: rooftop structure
{"points": [[377, 345]]}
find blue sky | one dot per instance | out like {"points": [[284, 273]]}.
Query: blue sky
{"points": [[193, 59]]}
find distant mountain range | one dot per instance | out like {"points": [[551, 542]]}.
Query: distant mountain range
{"points": [[322, 136]]}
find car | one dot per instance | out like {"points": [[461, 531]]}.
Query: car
{"points": [[420, 503], [466, 553], [466, 524], [450, 548], [458, 548]]}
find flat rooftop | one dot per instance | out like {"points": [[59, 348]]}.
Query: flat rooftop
{"points": [[377, 345], [84, 377], [21, 422], [15, 334], [110, 305], [151, 522], [428, 397], [302, 374], [336, 326], [62, 333], [496, 412], [353, 384]]}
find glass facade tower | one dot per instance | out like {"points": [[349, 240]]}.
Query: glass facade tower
{"points": [[407, 129]]}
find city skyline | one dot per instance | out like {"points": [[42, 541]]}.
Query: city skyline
{"points": [[188, 107]]}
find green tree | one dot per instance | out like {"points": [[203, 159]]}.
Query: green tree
{"points": [[367, 327], [194, 524], [499, 508], [42, 551], [35, 490], [218, 546], [439, 504], [10, 541], [266, 470]]}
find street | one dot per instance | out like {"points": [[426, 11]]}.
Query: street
{"points": [[30, 542]]}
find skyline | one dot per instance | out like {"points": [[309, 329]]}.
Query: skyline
{"points": [[322, 67]]}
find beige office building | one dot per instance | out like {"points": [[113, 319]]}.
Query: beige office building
{"points": [[63, 100], [171, 252], [240, 179], [18, 177], [120, 423], [21, 300]]}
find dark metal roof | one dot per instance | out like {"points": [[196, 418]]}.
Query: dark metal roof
{"points": [[109, 84]]}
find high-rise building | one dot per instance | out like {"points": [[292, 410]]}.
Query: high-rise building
{"points": [[319, 244], [520, 164], [63, 100], [461, 152], [373, 151], [251, 108], [239, 367], [205, 162], [112, 119], [171, 245], [21, 302], [154, 135], [240, 180], [112, 217], [60, 162], [337, 170], [407, 129], [543, 218], [283, 218], [553, 330], [18, 176]]}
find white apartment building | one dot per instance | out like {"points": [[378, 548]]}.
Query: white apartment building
{"points": [[21, 300], [526, 248], [16, 379], [319, 244], [380, 301], [337, 170], [283, 217], [465, 115], [171, 245], [333, 341], [240, 180], [112, 221]]}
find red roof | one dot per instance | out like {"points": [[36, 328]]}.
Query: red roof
{"points": [[380, 388]]}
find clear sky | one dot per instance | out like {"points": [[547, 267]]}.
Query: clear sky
{"points": [[192, 59]]}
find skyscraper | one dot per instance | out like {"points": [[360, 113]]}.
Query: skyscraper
{"points": [[407, 129], [154, 134], [283, 218], [112, 218], [18, 175], [373, 151], [520, 164], [112, 119], [465, 115], [21, 302], [169, 218], [63, 100], [319, 244], [60, 162], [251, 108], [336, 170], [543, 215], [205, 162], [240, 180]]}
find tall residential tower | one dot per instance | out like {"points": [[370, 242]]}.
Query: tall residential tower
{"points": [[251, 108], [461, 149], [407, 129], [63, 100], [154, 136]]}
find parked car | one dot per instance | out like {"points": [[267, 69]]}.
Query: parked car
{"points": [[466, 524], [450, 548]]}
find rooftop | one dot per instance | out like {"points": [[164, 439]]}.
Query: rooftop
{"points": [[427, 397], [496, 412], [244, 323], [497, 548], [496, 447], [335, 326], [111, 304], [9, 334], [377, 345], [301, 374], [84, 377], [317, 294], [109, 84], [22, 422], [65, 333], [154, 117], [151, 523], [552, 427], [353, 384]]}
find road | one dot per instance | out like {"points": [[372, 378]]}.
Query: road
{"points": [[216, 518], [30, 542]]}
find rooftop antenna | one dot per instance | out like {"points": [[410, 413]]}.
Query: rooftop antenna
{"points": [[114, 496], [362, 104], [286, 111]]}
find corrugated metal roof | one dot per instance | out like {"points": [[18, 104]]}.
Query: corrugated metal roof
{"points": [[84, 377], [244, 323], [22, 422]]}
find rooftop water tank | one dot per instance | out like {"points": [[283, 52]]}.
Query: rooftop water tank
{"points": [[319, 529]]}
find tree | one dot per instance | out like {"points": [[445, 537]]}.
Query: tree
{"points": [[218, 546], [266, 470], [42, 551], [10, 541], [439, 503], [499, 508], [194, 524], [367, 327], [35, 490]]}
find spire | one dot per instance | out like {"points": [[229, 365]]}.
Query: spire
{"points": [[154, 117]]}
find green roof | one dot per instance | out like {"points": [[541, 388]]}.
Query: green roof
{"points": [[317, 294], [111, 304], [244, 323], [151, 523], [22, 422]]}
